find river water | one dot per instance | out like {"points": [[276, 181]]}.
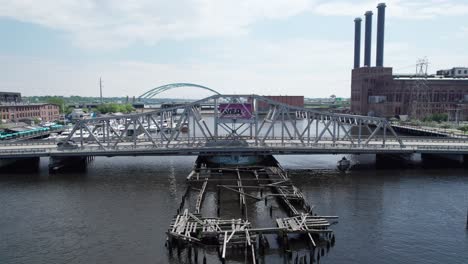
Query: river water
{"points": [[118, 210]]}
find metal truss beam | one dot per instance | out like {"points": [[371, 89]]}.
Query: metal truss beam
{"points": [[162, 128]]}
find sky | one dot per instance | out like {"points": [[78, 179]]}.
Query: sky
{"points": [[267, 47]]}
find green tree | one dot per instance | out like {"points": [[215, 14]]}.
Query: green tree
{"points": [[464, 128], [57, 101], [436, 118], [69, 110], [36, 120], [114, 108]]}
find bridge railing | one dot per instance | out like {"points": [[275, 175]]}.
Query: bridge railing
{"points": [[439, 131], [270, 147], [409, 139], [109, 144]]}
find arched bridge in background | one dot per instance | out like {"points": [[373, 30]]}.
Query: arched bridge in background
{"points": [[155, 91]]}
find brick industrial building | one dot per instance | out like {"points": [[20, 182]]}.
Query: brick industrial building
{"points": [[377, 91], [292, 100], [15, 112], [12, 109]]}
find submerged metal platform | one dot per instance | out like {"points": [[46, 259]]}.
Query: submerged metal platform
{"points": [[247, 212]]}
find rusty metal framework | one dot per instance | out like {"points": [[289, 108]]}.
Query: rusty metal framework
{"points": [[236, 121]]}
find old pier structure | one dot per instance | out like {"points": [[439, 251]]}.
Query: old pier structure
{"points": [[246, 212]]}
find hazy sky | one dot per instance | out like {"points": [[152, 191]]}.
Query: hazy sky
{"points": [[294, 47]]}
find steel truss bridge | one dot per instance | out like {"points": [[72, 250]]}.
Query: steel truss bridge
{"points": [[239, 125]]}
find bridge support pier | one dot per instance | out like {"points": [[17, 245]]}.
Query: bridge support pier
{"points": [[68, 163], [442, 160], [392, 160], [20, 164]]}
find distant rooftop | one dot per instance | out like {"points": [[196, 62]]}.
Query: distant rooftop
{"points": [[428, 77], [23, 104], [455, 73]]}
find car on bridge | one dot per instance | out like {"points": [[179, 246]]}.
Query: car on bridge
{"points": [[67, 145]]}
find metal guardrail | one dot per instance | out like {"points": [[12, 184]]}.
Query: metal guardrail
{"points": [[28, 143], [433, 131], [375, 139], [19, 151], [269, 146]]}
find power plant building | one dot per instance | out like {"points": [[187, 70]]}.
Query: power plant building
{"points": [[377, 91]]}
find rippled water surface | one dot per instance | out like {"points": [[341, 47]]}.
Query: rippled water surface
{"points": [[117, 211]]}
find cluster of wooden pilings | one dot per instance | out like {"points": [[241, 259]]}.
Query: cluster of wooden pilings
{"points": [[202, 224]]}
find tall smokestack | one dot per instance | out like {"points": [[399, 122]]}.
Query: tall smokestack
{"points": [[357, 42], [380, 34], [368, 39]]}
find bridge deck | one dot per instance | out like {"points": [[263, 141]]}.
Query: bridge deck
{"points": [[272, 146]]}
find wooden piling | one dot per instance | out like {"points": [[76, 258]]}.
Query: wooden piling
{"points": [[169, 246], [192, 228]]}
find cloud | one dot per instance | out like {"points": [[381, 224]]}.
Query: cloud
{"points": [[108, 23], [401, 9], [310, 67], [116, 24], [111, 24], [294, 66], [314, 67], [462, 33]]}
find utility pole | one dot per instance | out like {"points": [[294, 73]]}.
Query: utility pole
{"points": [[100, 88]]}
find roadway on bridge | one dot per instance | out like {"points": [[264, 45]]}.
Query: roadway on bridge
{"points": [[270, 146]]}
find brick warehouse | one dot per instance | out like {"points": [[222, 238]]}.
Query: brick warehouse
{"points": [[376, 91]]}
